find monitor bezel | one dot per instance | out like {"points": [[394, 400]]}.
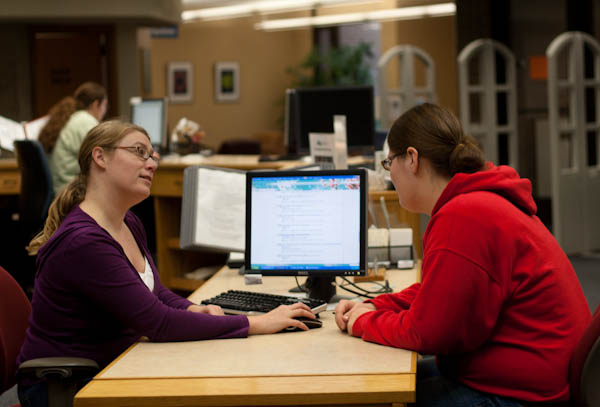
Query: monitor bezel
{"points": [[364, 189], [300, 140], [164, 139]]}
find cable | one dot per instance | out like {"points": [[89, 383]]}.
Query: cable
{"points": [[300, 288], [356, 292], [362, 292], [385, 287]]}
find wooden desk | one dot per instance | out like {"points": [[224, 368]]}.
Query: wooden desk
{"points": [[10, 177], [167, 189], [321, 367]]}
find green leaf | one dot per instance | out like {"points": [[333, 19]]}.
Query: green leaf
{"points": [[342, 66]]}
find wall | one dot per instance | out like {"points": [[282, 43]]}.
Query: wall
{"points": [[15, 87], [437, 37], [264, 58], [127, 81]]}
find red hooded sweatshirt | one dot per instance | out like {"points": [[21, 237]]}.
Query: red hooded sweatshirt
{"points": [[499, 303]]}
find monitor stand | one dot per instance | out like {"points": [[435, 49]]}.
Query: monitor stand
{"points": [[321, 288], [335, 298], [301, 288]]}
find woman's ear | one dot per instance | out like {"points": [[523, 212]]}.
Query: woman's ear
{"points": [[94, 106], [99, 157], [412, 158], [95, 109]]}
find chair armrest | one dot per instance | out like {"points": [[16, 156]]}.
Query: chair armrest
{"points": [[64, 376], [62, 366]]}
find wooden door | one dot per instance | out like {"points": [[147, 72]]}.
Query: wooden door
{"points": [[65, 57]]}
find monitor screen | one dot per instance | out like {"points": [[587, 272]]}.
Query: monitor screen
{"points": [[310, 223], [314, 109], [151, 114]]}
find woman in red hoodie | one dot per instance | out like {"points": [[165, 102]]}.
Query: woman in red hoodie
{"points": [[499, 303]]}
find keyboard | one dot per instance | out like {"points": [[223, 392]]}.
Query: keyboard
{"points": [[251, 303]]}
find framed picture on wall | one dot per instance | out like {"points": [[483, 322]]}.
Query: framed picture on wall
{"points": [[227, 81], [180, 82]]}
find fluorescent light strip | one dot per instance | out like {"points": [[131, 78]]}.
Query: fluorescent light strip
{"points": [[262, 7], [404, 13]]}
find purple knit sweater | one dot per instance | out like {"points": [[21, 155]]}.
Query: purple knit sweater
{"points": [[89, 301]]}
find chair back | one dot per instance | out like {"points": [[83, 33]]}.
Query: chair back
{"points": [[585, 366], [13, 323], [36, 187], [239, 147]]}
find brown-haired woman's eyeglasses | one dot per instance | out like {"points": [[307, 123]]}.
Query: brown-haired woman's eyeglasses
{"points": [[387, 163]]}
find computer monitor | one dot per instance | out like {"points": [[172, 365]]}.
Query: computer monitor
{"points": [[289, 126], [311, 110], [151, 114], [307, 223]]}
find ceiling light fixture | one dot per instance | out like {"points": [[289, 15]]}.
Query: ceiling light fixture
{"points": [[404, 13], [261, 7]]}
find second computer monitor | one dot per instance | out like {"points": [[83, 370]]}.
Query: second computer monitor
{"points": [[151, 114], [311, 110], [310, 223]]}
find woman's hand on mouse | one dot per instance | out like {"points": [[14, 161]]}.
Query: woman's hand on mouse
{"points": [[280, 318]]}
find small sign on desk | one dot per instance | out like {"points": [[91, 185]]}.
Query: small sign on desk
{"points": [[373, 274]]}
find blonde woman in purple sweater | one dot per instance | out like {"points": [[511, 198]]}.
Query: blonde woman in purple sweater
{"points": [[97, 289]]}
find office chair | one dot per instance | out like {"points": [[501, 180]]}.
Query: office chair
{"points": [[585, 366], [239, 147], [61, 374], [36, 187], [34, 200]]}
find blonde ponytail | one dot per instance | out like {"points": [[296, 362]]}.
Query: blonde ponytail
{"points": [[70, 196]]}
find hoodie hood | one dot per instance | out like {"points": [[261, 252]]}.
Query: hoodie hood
{"points": [[502, 180]]}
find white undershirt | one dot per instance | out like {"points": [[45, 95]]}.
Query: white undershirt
{"points": [[147, 276]]}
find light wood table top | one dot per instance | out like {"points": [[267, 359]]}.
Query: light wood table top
{"points": [[320, 367]]}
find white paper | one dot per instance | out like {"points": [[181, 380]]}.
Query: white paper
{"points": [[330, 150], [10, 131], [322, 149], [221, 209], [341, 143], [33, 128]]}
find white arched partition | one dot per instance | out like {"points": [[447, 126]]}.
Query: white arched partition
{"points": [[574, 123], [396, 100], [488, 98]]}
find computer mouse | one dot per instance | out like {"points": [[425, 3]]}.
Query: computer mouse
{"points": [[309, 322]]}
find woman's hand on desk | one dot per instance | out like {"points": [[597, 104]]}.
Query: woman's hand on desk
{"points": [[346, 312], [280, 318], [206, 309]]}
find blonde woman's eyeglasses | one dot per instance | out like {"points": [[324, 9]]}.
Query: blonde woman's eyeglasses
{"points": [[141, 152]]}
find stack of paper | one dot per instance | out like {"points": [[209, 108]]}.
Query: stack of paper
{"points": [[10, 131], [213, 211], [34, 127]]}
